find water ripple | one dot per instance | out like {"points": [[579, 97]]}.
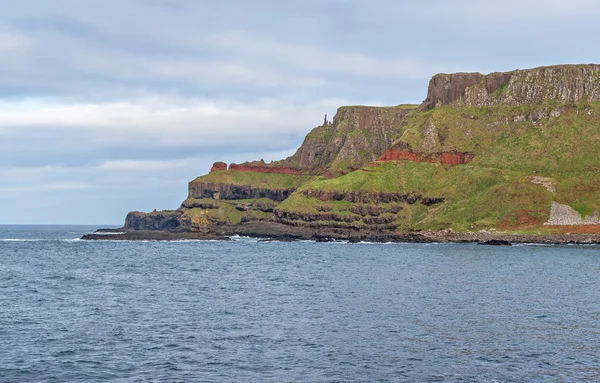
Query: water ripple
{"points": [[277, 312]]}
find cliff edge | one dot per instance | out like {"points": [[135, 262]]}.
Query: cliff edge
{"points": [[511, 153]]}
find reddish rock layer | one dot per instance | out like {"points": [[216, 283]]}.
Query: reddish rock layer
{"points": [[447, 158], [264, 169], [450, 158], [218, 166]]}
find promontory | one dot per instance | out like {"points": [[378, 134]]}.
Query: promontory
{"points": [[508, 156]]}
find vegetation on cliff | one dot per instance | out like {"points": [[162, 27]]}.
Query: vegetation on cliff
{"points": [[254, 179], [357, 136], [514, 151]]}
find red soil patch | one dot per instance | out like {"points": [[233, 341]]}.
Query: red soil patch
{"points": [[264, 169], [446, 158]]}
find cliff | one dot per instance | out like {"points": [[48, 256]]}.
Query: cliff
{"points": [[356, 136], [565, 84], [506, 152]]}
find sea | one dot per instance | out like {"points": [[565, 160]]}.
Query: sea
{"points": [[251, 311]]}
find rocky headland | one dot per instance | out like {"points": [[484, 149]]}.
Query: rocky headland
{"points": [[506, 156]]}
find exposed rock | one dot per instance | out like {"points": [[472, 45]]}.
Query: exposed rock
{"points": [[567, 84], [192, 203], [566, 215], [357, 136], [159, 220], [543, 181], [394, 154], [280, 232], [495, 242], [264, 169], [256, 205], [218, 166], [233, 192], [446, 158], [370, 197]]}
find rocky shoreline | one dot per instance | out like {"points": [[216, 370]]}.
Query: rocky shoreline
{"points": [[272, 231]]}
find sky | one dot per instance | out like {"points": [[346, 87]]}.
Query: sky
{"points": [[110, 106]]}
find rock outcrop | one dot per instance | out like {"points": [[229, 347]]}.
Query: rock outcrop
{"points": [[255, 167], [445, 158], [158, 220], [264, 168], [218, 166], [358, 135], [565, 215], [565, 84], [223, 191], [370, 197]]}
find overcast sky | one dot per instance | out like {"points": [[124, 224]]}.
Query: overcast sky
{"points": [[109, 106]]}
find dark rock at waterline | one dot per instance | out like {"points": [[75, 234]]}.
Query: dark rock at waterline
{"points": [[495, 242]]}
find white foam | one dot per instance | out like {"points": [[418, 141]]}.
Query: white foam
{"points": [[239, 238], [109, 233], [21, 239]]}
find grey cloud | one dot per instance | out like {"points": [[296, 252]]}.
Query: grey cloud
{"points": [[173, 85]]}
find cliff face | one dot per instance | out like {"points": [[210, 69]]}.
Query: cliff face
{"points": [[505, 151], [236, 192], [357, 136], [263, 168], [160, 220], [446, 158], [567, 84]]}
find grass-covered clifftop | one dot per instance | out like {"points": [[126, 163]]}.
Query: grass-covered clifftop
{"points": [[254, 179], [514, 148], [515, 151]]}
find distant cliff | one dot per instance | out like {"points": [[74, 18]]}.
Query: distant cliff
{"points": [[509, 152]]}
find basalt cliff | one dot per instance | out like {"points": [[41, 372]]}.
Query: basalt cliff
{"points": [[506, 155]]}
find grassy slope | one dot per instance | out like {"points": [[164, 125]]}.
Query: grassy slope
{"points": [[475, 196], [257, 180], [494, 190], [225, 211]]}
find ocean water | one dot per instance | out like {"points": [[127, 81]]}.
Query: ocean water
{"points": [[248, 311]]}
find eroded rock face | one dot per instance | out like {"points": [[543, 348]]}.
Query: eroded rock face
{"points": [[218, 166], [264, 169], [564, 83], [233, 192], [370, 197], [446, 158], [357, 136], [158, 220], [448, 88]]}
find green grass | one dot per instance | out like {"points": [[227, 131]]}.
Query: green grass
{"points": [[499, 138], [511, 144], [475, 197], [254, 179], [226, 213], [581, 191]]}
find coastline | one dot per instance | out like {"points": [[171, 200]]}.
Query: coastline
{"points": [[272, 231]]}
